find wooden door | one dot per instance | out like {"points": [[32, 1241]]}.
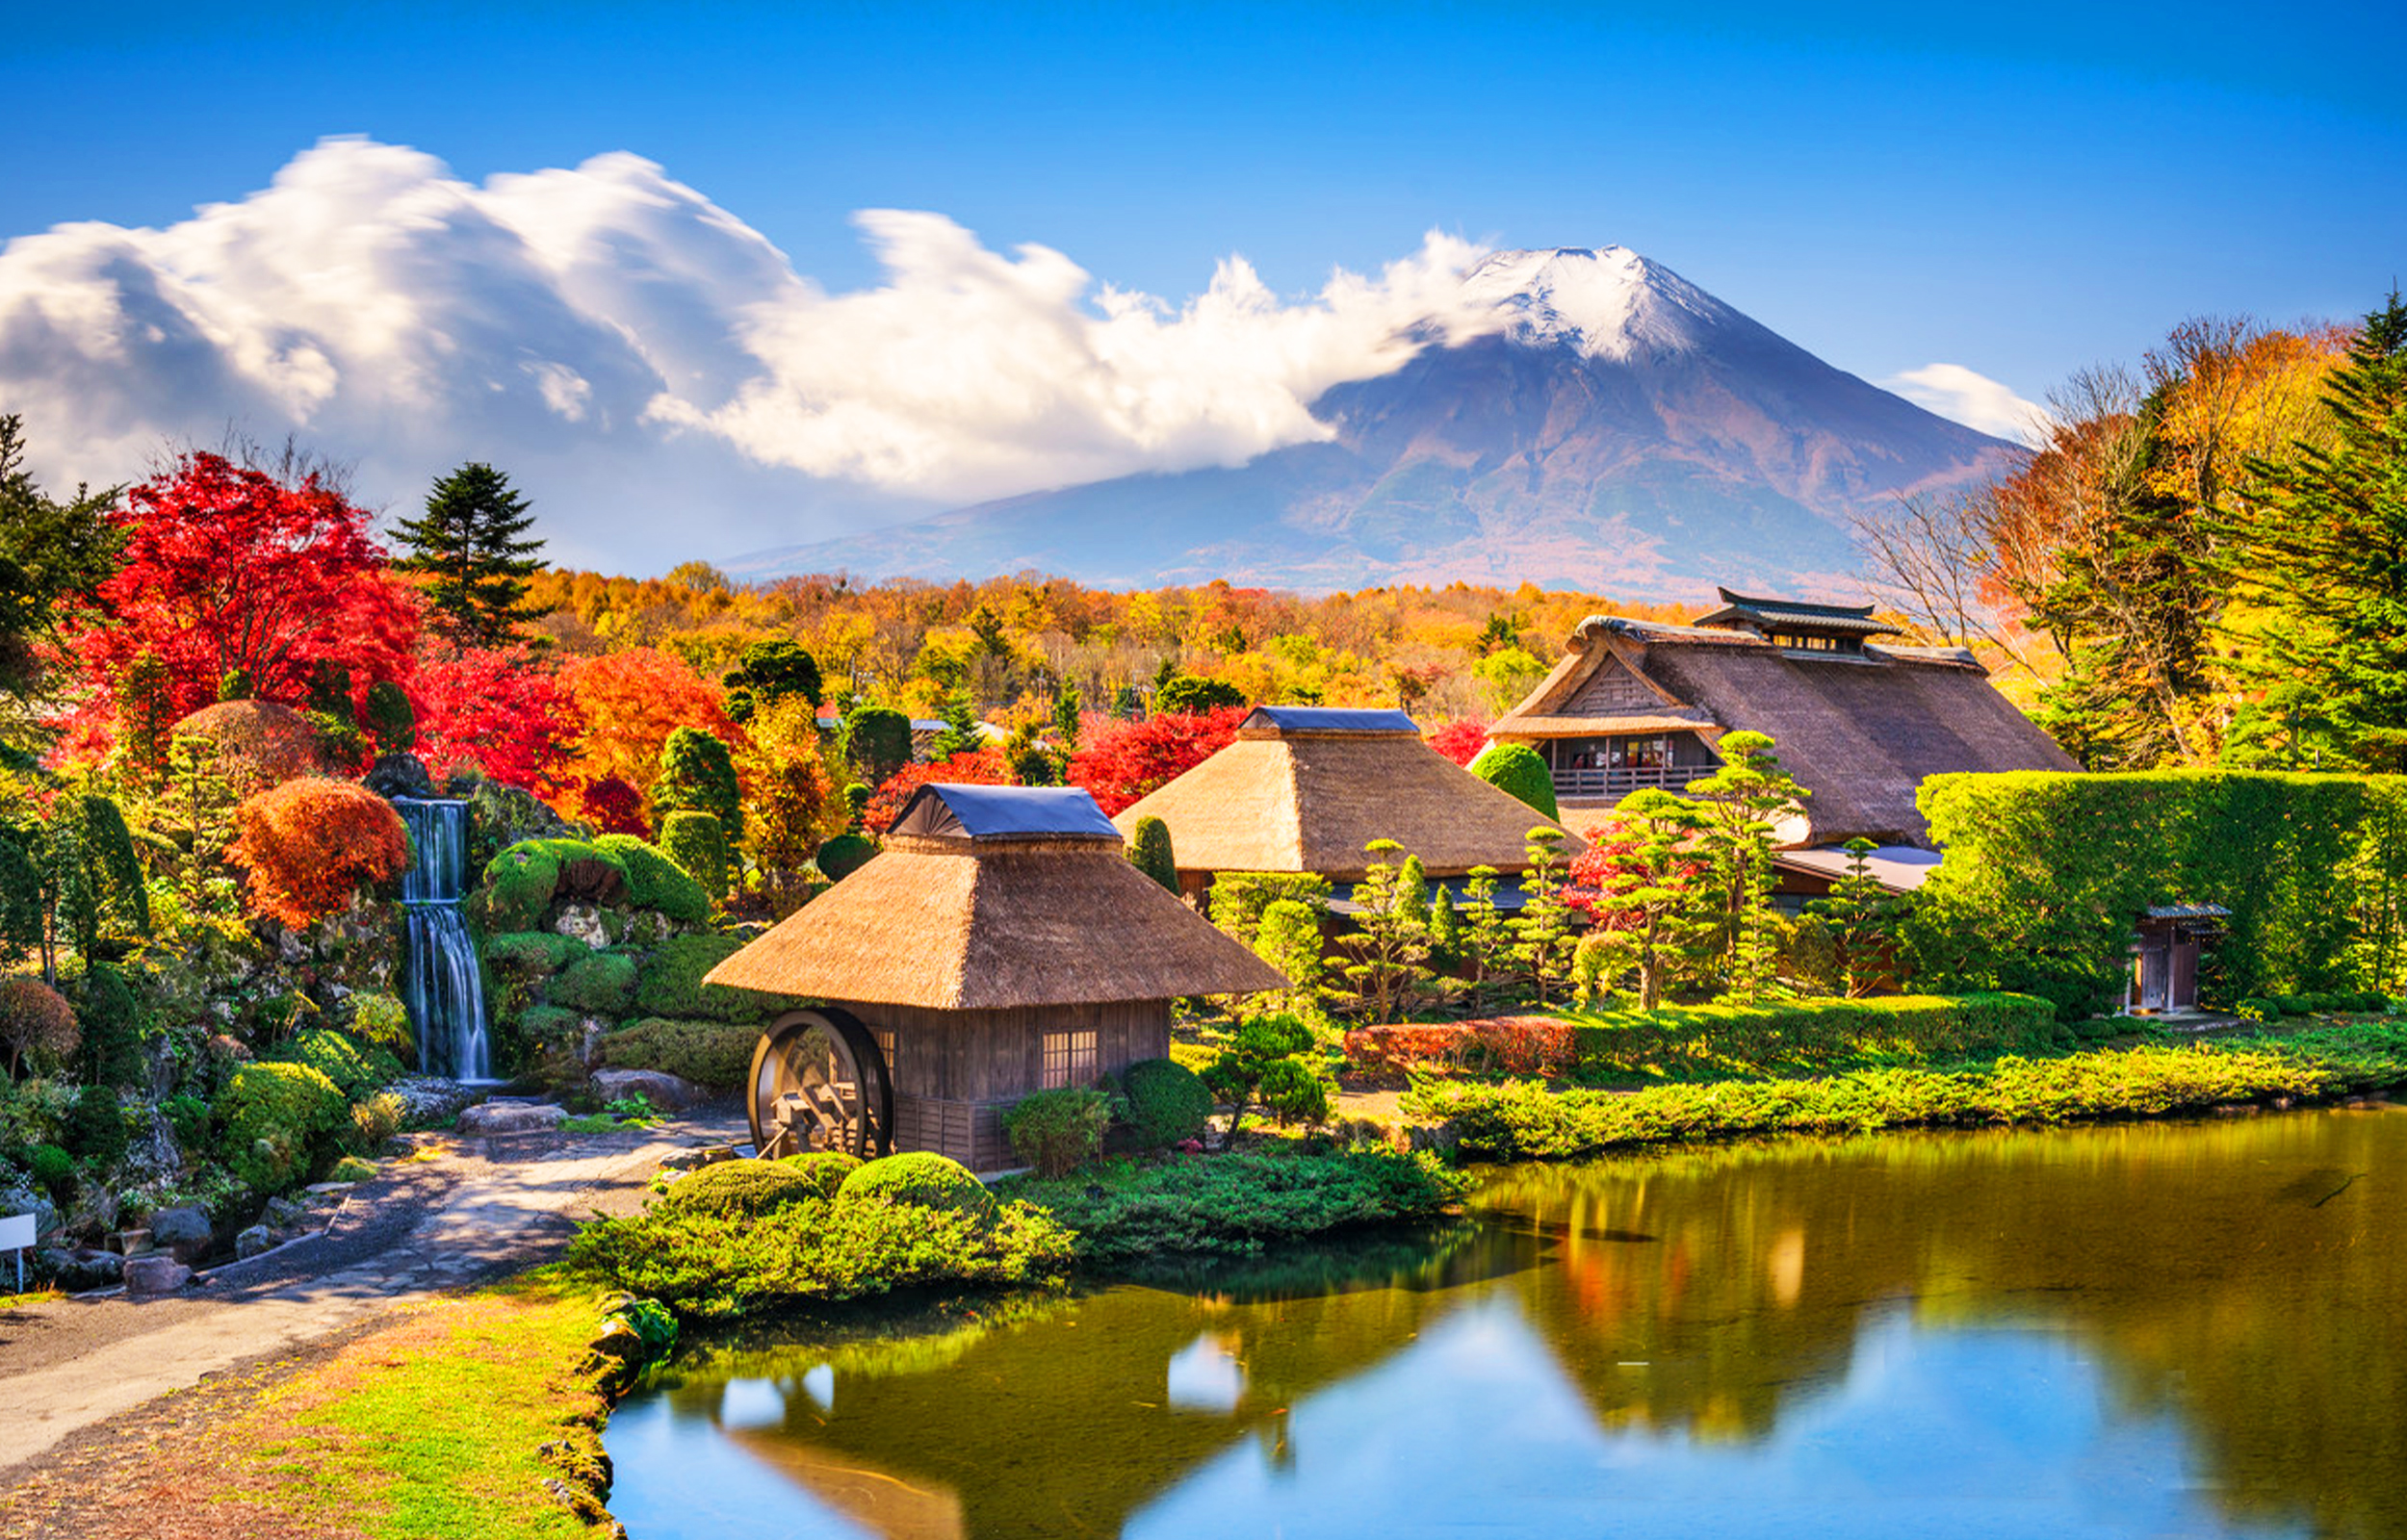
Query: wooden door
{"points": [[2156, 972]]}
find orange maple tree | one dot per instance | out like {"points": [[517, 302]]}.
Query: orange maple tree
{"points": [[310, 844]]}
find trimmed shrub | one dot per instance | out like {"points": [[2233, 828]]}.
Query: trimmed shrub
{"points": [[697, 842], [918, 1179], [671, 982], [843, 855], [96, 1127], [600, 984], [517, 886], [111, 1025], [826, 1169], [1517, 769], [1149, 849], [1057, 1131], [878, 741], [1240, 899], [1163, 1103], [532, 953], [1810, 1032], [708, 1053], [53, 1171], [1188, 695], [35, 1019], [279, 1122], [357, 1069], [656, 883], [188, 1117], [1236, 1203], [310, 844], [698, 775], [738, 1190]]}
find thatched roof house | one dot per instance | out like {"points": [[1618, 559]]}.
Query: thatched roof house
{"points": [[1304, 789], [1860, 724], [1000, 943]]}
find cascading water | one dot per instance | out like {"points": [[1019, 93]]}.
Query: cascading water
{"points": [[441, 986]]}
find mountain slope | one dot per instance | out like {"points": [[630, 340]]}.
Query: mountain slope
{"points": [[1584, 418]]}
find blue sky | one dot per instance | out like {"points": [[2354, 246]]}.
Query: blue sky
{"points": [[2020, 193]]}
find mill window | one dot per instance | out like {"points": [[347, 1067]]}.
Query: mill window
{"points": [[1069, 1059]]}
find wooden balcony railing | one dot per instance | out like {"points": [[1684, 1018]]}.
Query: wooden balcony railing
{"points": [[1618, 784]]}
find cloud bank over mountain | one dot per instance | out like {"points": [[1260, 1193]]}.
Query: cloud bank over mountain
{"points": [[652, 368]]}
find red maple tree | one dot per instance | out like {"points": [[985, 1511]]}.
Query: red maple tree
{"points": [[1461, 739], [500, 709], [1128, 761], [980, 767], [227, 569]]}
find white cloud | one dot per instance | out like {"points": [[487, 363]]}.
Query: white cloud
{"points": [[1972, 399], [628, 351]]}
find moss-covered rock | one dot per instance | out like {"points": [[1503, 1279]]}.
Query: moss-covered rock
{"points": [[671, 982], [600, 984], [551, 1029], [532, 953], [517, 888], [708, 1053], [589, 871], [920, 1179], [656, 883]]}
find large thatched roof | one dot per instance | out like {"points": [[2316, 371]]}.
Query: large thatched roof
{"points": [[1004, 897], [1304, 790], [1861, 730]]}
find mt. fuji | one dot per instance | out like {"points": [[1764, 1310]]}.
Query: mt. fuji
{"points": [[1577, 418]]}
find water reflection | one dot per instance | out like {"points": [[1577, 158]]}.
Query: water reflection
{"points": [[2128, 1330]]}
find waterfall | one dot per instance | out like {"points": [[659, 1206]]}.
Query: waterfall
{"points": [[441, 986]]}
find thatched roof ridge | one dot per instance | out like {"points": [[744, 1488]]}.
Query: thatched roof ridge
{"points": [[1309, 802], [965, 925]]}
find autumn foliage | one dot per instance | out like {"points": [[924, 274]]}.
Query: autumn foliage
{"points": [[982, 767], [227, 569], [630, 701], [1516, 1045], [310, 844], [498, 709], [1128, 761], [1461, 739]]}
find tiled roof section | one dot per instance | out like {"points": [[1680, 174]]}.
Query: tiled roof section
{"points": [[947, 810], [1795, 615]]}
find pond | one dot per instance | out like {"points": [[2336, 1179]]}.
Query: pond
{"points": [[2138, 1329]]}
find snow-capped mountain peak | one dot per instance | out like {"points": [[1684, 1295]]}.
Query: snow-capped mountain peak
{"points": [[1610, 302]]}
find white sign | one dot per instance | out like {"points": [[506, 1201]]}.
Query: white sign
{"points": [[15, 1230]]}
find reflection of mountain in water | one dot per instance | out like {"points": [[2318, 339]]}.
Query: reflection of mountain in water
{"points": [[2232, 1275]]}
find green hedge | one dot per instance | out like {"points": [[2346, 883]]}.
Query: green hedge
{"points": [[708, 1053], [654, 882], [1813, 1031], [2046, 874]]}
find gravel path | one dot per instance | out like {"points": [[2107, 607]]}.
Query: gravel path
{"points": [[480, 1209]]}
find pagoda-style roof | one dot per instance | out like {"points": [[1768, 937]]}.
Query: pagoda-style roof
{"points": [[1303, 789], [1794, 615], [994, 898]]}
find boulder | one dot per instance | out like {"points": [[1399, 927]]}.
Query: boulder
{"points": [[83, 1269], [399, 775], [22, 1197], [251, 1243], [511, 1117], [663, 1090], [182, 1232], [429, 1100], [149, 1276], [584, 922]]}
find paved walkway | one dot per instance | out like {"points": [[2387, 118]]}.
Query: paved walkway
{"points": [[483, 1208]]}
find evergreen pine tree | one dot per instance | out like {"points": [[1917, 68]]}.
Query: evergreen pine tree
{"points": [[471, 543], [2324, 541], [1148, 848], [961, 734]]}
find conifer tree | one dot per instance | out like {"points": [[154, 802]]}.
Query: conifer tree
{"points": [[1390, 935], [961, 734], [698, 775], [2324, 541], [471, 542]]}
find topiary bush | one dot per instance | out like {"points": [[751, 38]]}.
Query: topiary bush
{"points": [[1516, 768], [357, 1069], [1163, 1103], [877, 739], [708, 1053], [532, 953], [1149, 849], [697, 842], [111, 1026], [308, 846], [671, 982], [601, 984], [587, 870], [918, 1179], [279, 1123], [96, 1127], [826, 1169], [698, 775], [843, 855], [1057, 1131], [517, 886], [656, 883], [737, 1188], [35, 1019]]}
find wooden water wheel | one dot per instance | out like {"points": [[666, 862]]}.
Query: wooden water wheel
{"points": [[818, 1081]]}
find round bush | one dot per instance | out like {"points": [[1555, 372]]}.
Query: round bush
{"points": [[656, 883], [1516, 768], [358, 1072], [279, 1122], [600, 984], [738, 1189], [1167, 1102], [826, 1168], [843, 855], [920, 1179], [697, 842], [517, 886], [708, 1053], [54, 1169], [35, 1019], [1057, 1131]]}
